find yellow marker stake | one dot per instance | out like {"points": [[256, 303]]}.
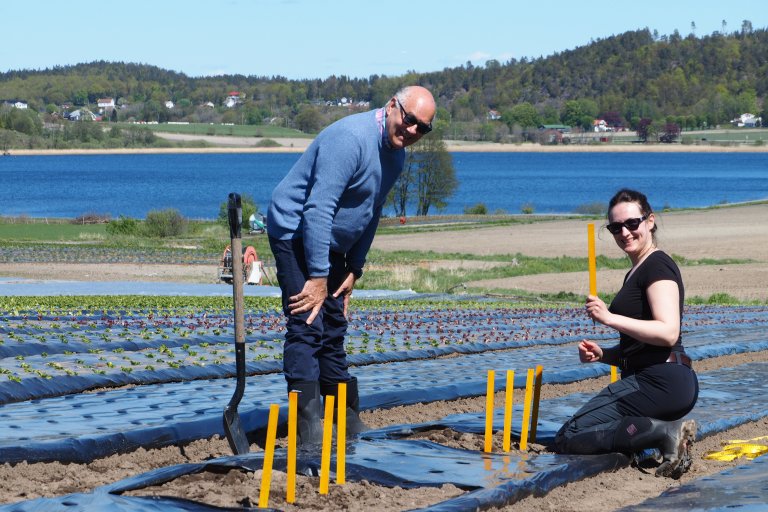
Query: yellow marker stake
{"points": [[592, 262], [614, 374], [341, 434], [269, 454], [290, 490], [526, 411], [508, 400], [536, 396], [490, 387], [325, 460]]}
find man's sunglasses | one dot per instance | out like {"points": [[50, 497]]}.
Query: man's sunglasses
{"points": [[410, 120], [630, 224]]}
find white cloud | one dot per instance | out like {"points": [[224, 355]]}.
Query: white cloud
{"points": [[479, 57]]}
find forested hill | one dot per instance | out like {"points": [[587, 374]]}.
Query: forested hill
{"points": [[710, 79]]}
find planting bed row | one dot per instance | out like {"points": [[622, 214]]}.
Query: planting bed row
{"points": [[394, 347], [388, 457], [35, 253], [48, 353]]}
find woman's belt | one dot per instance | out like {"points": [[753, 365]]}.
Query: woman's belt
{"points": [[640, 361]]}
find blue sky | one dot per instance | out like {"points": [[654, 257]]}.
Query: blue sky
{"points": [[318, 38]]}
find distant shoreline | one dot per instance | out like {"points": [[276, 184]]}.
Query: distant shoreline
{"points": [[295, 145]]}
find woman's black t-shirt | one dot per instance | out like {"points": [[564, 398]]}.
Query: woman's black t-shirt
{"points": [[632, 301]]}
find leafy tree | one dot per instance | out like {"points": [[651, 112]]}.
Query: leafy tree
{"points": [[428, 176], [308, 120], [21, 120], [139, 136], [523, 114], [671, 133], [579, 113], [435, 176], [644, 130]]}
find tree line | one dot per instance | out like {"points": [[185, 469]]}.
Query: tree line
{"points": [[692, 81]]}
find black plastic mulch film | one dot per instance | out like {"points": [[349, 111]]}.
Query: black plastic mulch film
{"points": [[79, 428]]}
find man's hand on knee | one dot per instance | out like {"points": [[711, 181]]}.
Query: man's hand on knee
{"points": [[310, 298]]}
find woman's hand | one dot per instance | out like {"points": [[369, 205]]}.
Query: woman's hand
{"points": [[597, 309], [589, 351]]}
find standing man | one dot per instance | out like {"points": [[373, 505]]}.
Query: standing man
{"points": [[322, 220]]}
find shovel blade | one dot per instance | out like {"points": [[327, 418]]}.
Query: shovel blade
{"points": [[236, 437]]}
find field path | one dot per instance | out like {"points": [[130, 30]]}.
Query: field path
{"points": [[737, 232]]}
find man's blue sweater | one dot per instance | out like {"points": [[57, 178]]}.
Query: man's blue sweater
{"points": [[333, 196]]}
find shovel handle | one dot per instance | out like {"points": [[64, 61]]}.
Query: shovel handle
{"points": [[235, 215], [235, 223]]}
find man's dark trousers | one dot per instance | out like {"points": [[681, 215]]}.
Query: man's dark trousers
{"points": [[313, 352]]}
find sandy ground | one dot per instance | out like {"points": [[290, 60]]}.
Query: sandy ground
{"points": [[232, 144], [735, 232]]}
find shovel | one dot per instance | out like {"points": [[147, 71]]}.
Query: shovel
{"points": [[238, 441]]}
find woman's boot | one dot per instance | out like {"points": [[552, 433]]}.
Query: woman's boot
{"points": [[673, 439]]}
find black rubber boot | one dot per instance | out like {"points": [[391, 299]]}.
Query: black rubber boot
{"points": [[673, 439], [584, 443], [308, 426], [354, 423]]}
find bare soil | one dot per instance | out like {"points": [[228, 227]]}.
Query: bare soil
{"points": [[736, 232]]}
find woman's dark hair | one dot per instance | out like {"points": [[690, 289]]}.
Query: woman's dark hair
{"points": [[627, 195]]}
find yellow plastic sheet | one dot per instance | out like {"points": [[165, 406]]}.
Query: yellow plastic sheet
{"points": [[732, 450]]}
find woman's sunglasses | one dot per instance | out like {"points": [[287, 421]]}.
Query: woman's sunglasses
{"points": [[630, 224], [410, 120]]}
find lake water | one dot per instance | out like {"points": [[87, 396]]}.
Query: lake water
{"points": [[197, 184]]}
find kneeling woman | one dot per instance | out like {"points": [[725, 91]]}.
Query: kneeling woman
{"points": [[658, 385]]}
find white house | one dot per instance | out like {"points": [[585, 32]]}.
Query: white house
{"points": [[747, 120], [233, 98], [493, 115], [169, 104], [20, 105], [106, 103], [599, 125]]}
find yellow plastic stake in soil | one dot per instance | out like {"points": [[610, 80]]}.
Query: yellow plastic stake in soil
{"points": [[341, 434], [325, 458], [750, 449], [536, 397], [490, 388], [290, 489], [614, 374], [592, 261], [269, 453], [508, 401], [526, 411]]}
